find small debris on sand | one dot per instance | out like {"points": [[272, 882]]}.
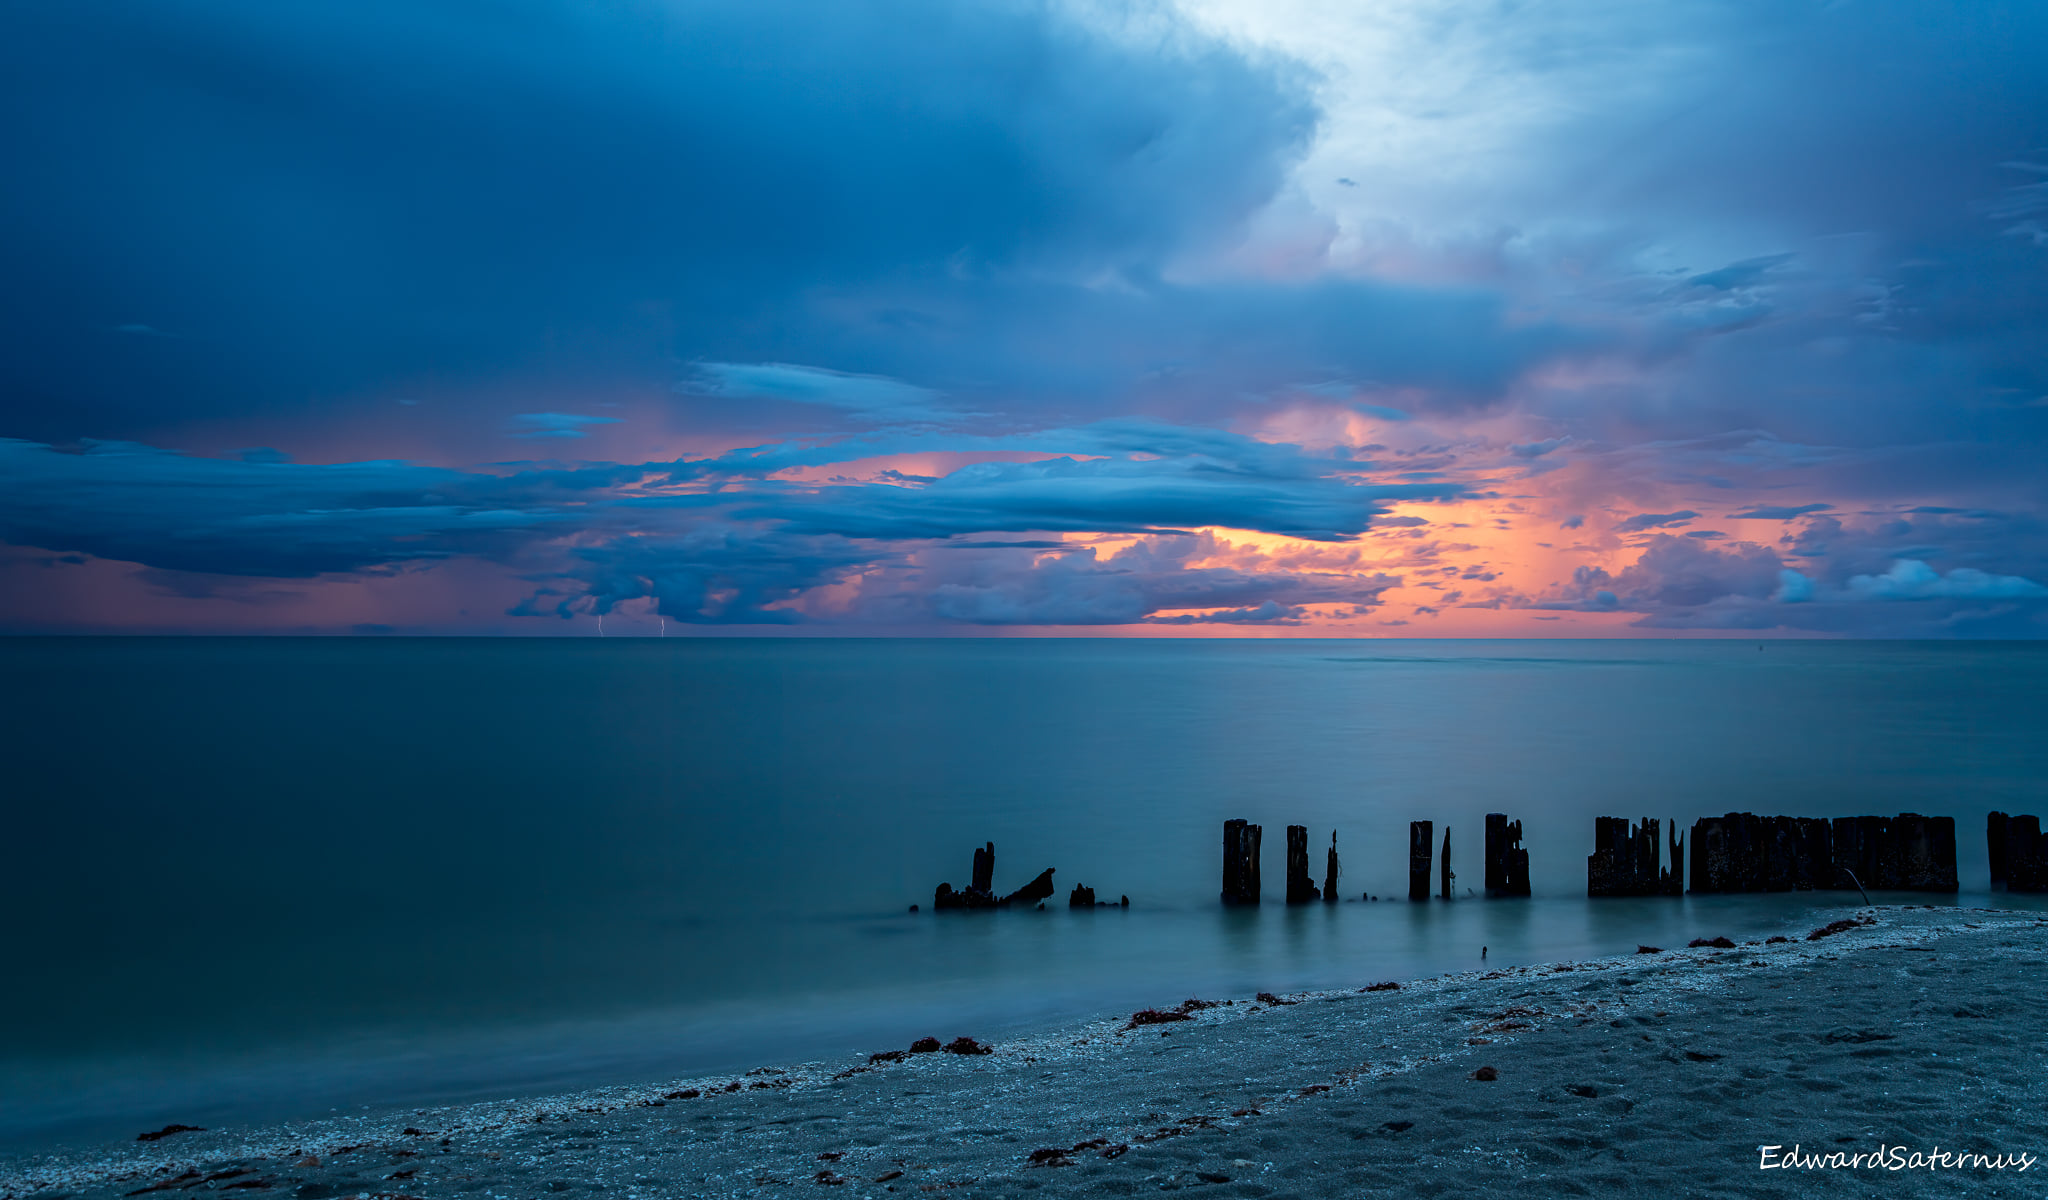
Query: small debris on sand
{"points": [[1841, 926]]}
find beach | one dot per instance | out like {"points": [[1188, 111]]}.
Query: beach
{"points": [[1911, 1031]]}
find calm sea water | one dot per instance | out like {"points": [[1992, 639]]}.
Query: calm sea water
{"points": [[257, 879]]}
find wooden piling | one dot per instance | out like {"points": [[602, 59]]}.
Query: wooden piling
{"points": [[1507, 864], [1421, 854], [1624, 858], [985, 870], [2026, 855], [1445, 868], [1300, 888], [1742, 852], [1994, 841], [1330, 872], [1031, 893], [1241, 862]]}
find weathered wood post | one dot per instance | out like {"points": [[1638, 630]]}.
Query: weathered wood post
{"points": [[1624, 859], [1994, 841], [1241, 862], [2026, 855], [1300, 888], [1926, 849], [1421, 853], [1445, 869], [1038, 889], [1507, 864], [984, 870], [1330, 872], [1856, 849]]}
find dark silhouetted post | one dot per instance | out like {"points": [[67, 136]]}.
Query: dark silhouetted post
{"points": [[1330, 872], [1300, 888], [1445, 869], [1624, 859], [2026, 855], [1994, 841], [1421, 853], [1241, 862], [1926, 849], [1031, 893], [984, 870], [1507, 864]]}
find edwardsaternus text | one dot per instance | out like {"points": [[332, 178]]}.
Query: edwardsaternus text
{"points": [[1890, 1158]]}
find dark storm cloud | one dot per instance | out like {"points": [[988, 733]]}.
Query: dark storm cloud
{"points": [[229, 517], [327, 197]]}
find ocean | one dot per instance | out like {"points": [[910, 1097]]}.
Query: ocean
{"points": [[260, 879]]}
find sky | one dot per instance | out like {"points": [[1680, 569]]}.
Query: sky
{"points": [[1477, 318]]}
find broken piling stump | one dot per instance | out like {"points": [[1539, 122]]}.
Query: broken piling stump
{"points": [[1507, 864], [1624, 858], [1421, 854], [1241, 862], [1444, 869], [984, 870], [1300, 888], [1330, 872], [2025, 854], [1994, 841], [1031, 893], [978, 894]]}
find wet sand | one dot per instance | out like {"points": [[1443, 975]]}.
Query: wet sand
{"points": [[1663, 1074]]}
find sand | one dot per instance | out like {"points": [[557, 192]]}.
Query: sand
{"points": [[1642, 1075]]}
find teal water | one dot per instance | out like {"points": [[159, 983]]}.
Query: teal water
{"points": [[267, 878]]}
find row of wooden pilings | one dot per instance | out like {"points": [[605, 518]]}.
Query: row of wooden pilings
{"points": [[1507, 864], [1737, 852]]}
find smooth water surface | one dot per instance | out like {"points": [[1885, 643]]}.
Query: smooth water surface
{"points": [[264, 878]]}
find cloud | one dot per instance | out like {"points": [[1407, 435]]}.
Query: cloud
{"points": [[876, 398], [1743, 274], [1913, 580], [1215, 265], [556, 425], [1642, 521], [1269, 613], [1133, 585], [749, 551], [1762, 512]]}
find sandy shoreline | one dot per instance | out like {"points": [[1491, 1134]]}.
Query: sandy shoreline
{"points": [[1643, 1074]]}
